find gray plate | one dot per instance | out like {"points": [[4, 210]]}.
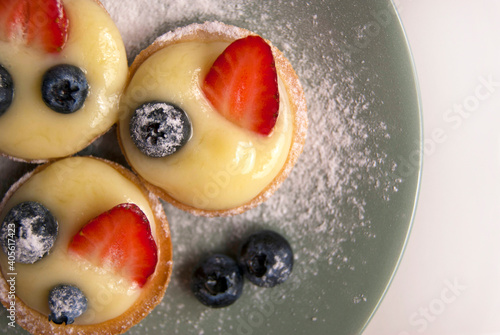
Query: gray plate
{"points": [[348, 205]]}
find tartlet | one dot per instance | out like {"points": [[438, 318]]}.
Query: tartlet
{"points": [[79, 38], [76, 190], [223, 169]]}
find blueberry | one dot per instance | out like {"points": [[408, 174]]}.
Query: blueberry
{"points": [[266, 258], [217, 281], [6, 90], [64, 88], [66, 302], [33, 229], [159, 129]]}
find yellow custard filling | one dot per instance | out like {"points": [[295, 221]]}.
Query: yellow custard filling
{"points": [[222, 166], [31, 130], [76, 190]]}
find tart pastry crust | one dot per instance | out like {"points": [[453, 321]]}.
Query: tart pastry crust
{"points": [[152, 292], [217, 31]]}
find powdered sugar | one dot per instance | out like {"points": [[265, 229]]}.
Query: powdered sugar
{"points": [[321, 208], [141, 21], [212, 27]]}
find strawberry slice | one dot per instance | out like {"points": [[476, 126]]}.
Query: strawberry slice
{"points": [[120, 240], [242, 85], [13, 19], [42, 23]]}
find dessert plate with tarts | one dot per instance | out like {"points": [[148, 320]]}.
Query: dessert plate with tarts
{"points": [[348, 203]]}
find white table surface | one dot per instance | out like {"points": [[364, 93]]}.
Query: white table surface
{"points": [[449, 279]]}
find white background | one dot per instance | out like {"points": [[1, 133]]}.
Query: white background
{"points": [[449, 279]]}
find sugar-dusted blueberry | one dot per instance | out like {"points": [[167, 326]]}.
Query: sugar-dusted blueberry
{"points": [[33, 229], [6, 90], [217, 281], [159, 129], [66, 303], [64, 88], [266, 258]]}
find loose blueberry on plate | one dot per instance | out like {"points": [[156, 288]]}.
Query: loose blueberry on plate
{"points": [[64, 88], [66, 303], [217, 281], [159, 129], [6, 90], [266, 258], [33, 228]]}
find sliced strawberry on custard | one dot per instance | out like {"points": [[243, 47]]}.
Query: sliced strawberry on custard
{"points": [[119, 240], [242, 85], [41, 23], [13, 19], [48, 24]]}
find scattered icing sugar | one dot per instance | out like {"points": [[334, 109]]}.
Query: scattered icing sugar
{"points": [[212, 27], [319, 208], [141, 21]]}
